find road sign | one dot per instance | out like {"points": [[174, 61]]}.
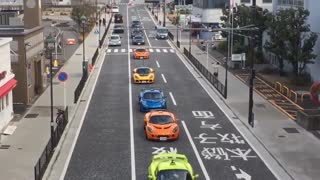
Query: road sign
{"points": [[62, 76]]}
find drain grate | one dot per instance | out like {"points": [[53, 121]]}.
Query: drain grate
{"points": [[31, 116], [291, 130], [4, 146]]}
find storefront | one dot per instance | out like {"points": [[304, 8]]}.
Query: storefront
{"points": [[7, 83]]}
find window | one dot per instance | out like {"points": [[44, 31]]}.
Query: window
{"points": [[267, 1]]}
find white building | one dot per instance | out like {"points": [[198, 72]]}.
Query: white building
{"points": [[7, 83]]}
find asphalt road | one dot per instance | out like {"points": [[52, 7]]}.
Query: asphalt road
{"points": [[112, 142]]}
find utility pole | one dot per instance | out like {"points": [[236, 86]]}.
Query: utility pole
{"points": [[164, 13], [252, 71]]}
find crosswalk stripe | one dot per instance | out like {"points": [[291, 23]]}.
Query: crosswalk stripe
{"points": [[130, 50], [151, 50], [172, 50], [123, 50], [115, 50], [108, 50], [158, 50], [164, 50]]}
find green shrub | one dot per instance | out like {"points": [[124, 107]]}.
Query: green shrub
{"points": [[302, 80], [223, 46]]}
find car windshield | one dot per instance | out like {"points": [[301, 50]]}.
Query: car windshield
{"points": [[138, 37], [140, 50], [137, 31], [114, 37], [152, 95], [173, 175], [162, 30], [161, 119], [143, 71]]}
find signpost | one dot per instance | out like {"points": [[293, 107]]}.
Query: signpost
{"points": [[62, 77]]}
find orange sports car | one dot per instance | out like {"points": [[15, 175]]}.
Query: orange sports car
{"points": [[141, 53], [161, 125]]}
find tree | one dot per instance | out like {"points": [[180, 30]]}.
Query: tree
{"points": [[291, 39], [85, 9], [243, 16]]}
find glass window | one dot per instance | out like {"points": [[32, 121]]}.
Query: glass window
{"points": [[143, 71], [151, 95], [161, 119], [174, 175]]}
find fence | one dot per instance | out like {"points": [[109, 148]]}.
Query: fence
{"points": [[209, 76], [178, 44], [171, 36], [79, 88], [95, 56], [43, 161]]}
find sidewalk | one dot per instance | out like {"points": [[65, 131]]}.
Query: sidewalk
{"points": [[32, 134], [295, 149]]}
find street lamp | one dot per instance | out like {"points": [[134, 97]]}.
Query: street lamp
{"points": [[51, 45], [83, 19], [177, 22]]}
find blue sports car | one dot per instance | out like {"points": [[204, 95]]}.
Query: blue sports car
{"points": [[152, 99]]}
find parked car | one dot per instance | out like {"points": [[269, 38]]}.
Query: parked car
{"points": [[138, 40], [115, 9], [118, 18], [115, 40], [118, 29]]}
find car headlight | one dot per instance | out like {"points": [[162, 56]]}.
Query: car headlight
{"points": [[136, 76], [150, 129], [175, 129], [151, 76]]}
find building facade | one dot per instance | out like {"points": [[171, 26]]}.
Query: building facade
{"points": [[7, 84]]}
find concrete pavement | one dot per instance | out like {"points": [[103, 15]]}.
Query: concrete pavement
{"points": [[295, 149], [32, 134]]}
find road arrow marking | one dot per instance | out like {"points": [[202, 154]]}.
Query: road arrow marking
{"points": [[242, 174]]}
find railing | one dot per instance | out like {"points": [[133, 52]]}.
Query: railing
{"points": [[209, 76], [43, 161], [79, 88], [178, 44], [171, 36], [95, 56]]}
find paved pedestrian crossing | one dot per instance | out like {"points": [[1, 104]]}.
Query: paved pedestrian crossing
{"points": [[155, 50]]}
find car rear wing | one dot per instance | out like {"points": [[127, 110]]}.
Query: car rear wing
{"points": [[170, 156]]}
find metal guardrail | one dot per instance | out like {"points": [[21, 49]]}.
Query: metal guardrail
{"points": [[95, 56], [209, 76], [44, 159], [79, 89], [178, 44], [171, 36]]}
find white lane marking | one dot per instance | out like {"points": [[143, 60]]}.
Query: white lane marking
{"points": [[109, 50], [123, 50], [158, 50], [150, 50], [67, 162], [164, 78], [196, 152], [158, 64], [190, 67], [164, 50], [133, 163], [172, 50], [130, 50], [172, 98], [115, 50]]}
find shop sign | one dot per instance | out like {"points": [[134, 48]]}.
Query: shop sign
{"points": [[3, 75]]}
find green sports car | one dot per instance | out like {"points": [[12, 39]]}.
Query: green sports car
{"points": [[170, 166]]}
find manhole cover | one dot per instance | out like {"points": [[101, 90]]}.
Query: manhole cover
{"points": [[31, 115], [4, 146], [260, 105], [291, 130]]}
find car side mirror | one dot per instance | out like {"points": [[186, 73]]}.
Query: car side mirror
{"points": [[195, 175]]}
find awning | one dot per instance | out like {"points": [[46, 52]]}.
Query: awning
{"points": [[6, 88]]}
